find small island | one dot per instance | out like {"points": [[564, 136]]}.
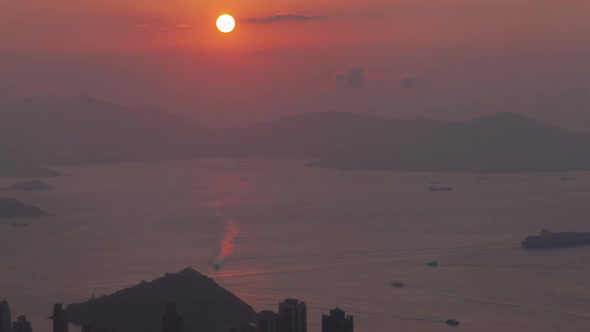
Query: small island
{"points": [[203, 304], [12, 208], [17, 170], [31, 185]]}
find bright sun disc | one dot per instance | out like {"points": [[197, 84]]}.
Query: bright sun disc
{"points": [[226, 23]]}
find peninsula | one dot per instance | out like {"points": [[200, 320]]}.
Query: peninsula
{"points": [[12, 208], [31, 185]]}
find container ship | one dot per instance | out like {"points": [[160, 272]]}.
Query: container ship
{"points": [[549, 240]]}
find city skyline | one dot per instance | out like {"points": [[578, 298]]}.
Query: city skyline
{"points": [[291, 317]]}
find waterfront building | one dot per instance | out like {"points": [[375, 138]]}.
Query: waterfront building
{"points": [[337, 321], [60, 318], [5, 318], [292, 316], [267, 321], [22, 325]]}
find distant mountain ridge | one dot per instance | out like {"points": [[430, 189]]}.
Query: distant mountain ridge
{"points": [[323, 134], [502, 142], [87, 130], [11, 165], [84, 129]]}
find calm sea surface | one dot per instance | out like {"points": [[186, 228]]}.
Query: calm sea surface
{"points": [[328, 237]]}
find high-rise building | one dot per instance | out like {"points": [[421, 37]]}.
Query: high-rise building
{"points": [[337, 321], [97, 328], [5, 318], [267, 321], [172, 322], [22, 325], [245, 327], [292, 316], [60, 318]]}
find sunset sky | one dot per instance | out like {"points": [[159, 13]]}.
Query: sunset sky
{"points": [[442, 58]]}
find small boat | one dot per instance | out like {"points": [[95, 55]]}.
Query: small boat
{"points": [[432, 264], [17, 224], [397, 284], [439, 188], [217, 267], [452, 322], [567, 178]]}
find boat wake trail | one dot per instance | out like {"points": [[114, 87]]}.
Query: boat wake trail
{"points": [[228, 191], [227, 242]]}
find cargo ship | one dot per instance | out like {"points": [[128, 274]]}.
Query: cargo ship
{"points": [[549, 240]]}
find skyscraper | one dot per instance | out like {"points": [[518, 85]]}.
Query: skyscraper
{"points": [[22, 325], [60, 318], [245, 327], [171, 322], [267, 321], [292, 316], [97, 328], [5, 318], [337, 322]]}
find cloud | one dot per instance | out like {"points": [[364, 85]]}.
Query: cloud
{"points": [[283, 17], [354, 77], [161, 27], [408, 81], [358, 78]]}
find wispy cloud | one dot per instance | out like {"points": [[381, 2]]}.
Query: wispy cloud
{"points": [[283, 17], [161, 27]]}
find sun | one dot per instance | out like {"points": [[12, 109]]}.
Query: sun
{"points": [[226, 23]]}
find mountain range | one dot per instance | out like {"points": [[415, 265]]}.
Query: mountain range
{"points": [[65, 130]]}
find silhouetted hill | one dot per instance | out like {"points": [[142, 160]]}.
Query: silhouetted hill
{"points": [[32, 185], [503, 142], [83, 129], [317, 135], [204, 305], [11, 208]]}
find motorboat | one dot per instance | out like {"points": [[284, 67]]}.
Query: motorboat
{"points": [[452, 322], [397, 284]]}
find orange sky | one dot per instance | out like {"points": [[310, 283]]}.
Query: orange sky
{"points": [[446, 58], [124, 24]]}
